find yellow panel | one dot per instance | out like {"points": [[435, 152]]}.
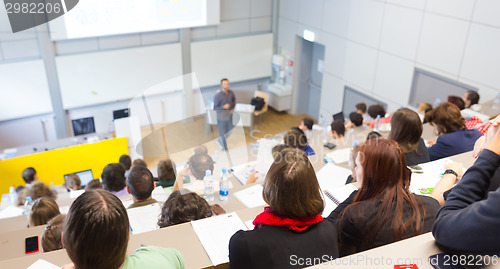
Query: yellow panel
{"points": [[52, 165]]}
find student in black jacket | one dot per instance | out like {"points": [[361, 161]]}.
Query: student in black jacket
{"points": [[290, 233], [470, 218], [406, 129], [383, 210]]}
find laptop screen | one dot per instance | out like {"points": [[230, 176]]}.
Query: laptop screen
{"points": [[85, 176]]}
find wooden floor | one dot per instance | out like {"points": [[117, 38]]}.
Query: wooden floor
{"points": [[181, 138]]}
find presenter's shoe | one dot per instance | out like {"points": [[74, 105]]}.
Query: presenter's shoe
{"points": [[220, 144]]}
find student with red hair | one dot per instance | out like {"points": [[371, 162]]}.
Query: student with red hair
{"points": [[383, 210]]}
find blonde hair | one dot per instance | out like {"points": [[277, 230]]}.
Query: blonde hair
{"points": [[42, 210]]}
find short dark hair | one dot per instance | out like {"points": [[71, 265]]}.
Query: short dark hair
{"points": [[29, 175], [42, 210], [361, 107], [224, 79], [140, 182], [339, 127], [125, 161], [51, 236], [308, 123], [201, 149], [300, 131], [406, 129], [166, 170], [296, 139], [113, 177], [73, 182], [199, 163], [139, 162], [291, 187], [376, 110], [180, 208], [446, 117], [373, 135], [96, 231], [458, 101], [473, 97], [94, 184], [356, 119]]}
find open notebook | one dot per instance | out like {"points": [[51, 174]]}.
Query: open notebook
{"points": [[335, 196]]}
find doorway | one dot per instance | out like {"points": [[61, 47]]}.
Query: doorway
{"points": [[310, 74]]}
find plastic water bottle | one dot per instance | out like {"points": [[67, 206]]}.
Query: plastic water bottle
{"points": [[323, 123], [376, 125], [209, 186], [437, 102], [224, 185], [27, 205], [12, 195], [496, 101]]}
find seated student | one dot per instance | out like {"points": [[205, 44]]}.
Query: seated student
{"points": [[352, 165], [296, 139], [458, 101], [292, 224], [113, 179], [453, 138], [378, 110], [301, 132], [42, 210], [470, 217], [406, 129], [35, 191], [373, 135], [424, 108], [306, 124], [338, 129], [356, 125], [470, 98], [200, 149], [96, 234], [361, 109], [166, 173], [51, 236], [196, 167], [139, 162], [180, 208], [126, 161], [73, 182], [140, 184], [29, 176], [383, 210], [94, 184]]}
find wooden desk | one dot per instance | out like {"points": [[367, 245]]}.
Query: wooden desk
{"points": [[487, 109], [12, 244], [415, 250], [181, 237]]}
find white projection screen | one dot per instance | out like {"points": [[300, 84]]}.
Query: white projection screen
{"points": [[91, 18]]}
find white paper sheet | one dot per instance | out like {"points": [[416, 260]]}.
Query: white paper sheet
{"points": [[430, 176], [332, 175], [11, 211], [249, 224], [215, 233], [241, 172], [251, 196], [160, 194], [265, 156], [340, 155], [75, 194], [64, 209], [43, 264], [145, 218]]}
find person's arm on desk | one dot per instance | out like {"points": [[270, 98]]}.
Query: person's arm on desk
{"points": [[447, 181], [180, 178], [467, 221], [252, 178]]}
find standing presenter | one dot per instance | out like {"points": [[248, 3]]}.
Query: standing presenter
{"points": [[224, 102]]}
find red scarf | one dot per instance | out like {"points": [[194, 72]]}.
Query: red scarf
{"points": [[271, 217]]}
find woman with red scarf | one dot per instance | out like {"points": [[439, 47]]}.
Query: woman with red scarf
{"points": [[291, 232]]}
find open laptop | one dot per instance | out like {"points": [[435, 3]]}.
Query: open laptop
{"points": [[85, 176]]}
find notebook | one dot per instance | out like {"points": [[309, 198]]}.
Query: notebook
{"points": [[335, 196]]}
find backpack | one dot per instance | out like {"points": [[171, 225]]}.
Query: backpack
{"points": [[258, 102]]}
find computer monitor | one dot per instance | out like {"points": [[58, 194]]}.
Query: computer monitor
{"points": [[85, 176], [122, 113], [83, 126], [339, 117]]}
